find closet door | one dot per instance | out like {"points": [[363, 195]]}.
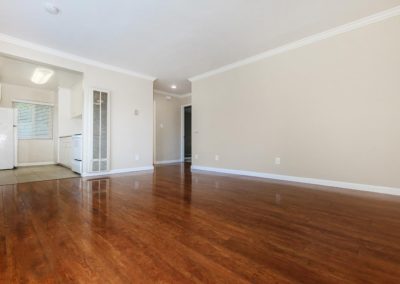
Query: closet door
{"points": [[100, 131]]}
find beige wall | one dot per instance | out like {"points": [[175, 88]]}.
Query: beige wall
{"points": [[131, 135], [36, 151], [330, 110], [168, 127], [14, 92], [187, 100], [31, 151]]}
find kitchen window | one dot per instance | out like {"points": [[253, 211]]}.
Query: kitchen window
{"points": [[35, 120]]}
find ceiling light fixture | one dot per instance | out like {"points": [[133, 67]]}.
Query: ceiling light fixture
{"points": [[51, 8], [173, 86], [41, 76]]}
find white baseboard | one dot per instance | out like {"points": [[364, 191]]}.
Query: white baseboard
{"points": [[118, 171], [167, 162], [328, 183], [35, 164]]}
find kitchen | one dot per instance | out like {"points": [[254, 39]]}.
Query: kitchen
{"points": [[40, 121]]}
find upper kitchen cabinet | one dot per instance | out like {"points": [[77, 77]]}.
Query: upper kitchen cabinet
{"points": [[77, 100]]}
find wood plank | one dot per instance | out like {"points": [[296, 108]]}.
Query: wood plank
{"points": [[175, 226]]}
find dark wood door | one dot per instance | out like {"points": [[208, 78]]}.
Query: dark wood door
{"points": [[188, 131]]}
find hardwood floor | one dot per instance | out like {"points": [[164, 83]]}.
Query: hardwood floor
{"points": [[174, 227]]}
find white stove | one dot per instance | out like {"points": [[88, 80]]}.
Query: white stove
{"points": [[77, 153]]}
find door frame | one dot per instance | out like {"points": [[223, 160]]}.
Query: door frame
{"points": [[183, 131], [154, 131]]}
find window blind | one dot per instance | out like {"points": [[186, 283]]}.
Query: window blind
{"points": [[35, 121]]}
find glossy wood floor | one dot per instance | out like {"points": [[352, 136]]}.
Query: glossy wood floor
{"points": [[174, 227]]}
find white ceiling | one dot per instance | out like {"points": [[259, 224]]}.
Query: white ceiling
{"points": [[176, 39], [19, 72]]}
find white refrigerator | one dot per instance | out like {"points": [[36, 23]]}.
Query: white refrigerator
{"points": [[8, 138]]}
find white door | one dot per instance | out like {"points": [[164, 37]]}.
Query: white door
{"points": [[100, 152], [7, 138]]}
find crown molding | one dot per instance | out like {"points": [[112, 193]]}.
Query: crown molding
{"points": [[41, 48], [171, 94], [305, 41]]}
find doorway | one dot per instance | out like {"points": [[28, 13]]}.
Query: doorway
{"points": [[40, 112], [187, 133]]}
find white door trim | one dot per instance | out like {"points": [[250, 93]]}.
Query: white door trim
{"points": [[154, 131], [90, 152]]}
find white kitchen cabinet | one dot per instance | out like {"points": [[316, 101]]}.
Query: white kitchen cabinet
{"points": [[77, 100], [65, 151]]}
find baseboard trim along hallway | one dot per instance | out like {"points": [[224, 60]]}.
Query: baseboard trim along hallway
{"points": [[119, 171], [35, 164], [328, 183], [167, 162]]}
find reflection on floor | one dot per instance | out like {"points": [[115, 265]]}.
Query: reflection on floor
{"points": [[38, 173], [178, 226]]}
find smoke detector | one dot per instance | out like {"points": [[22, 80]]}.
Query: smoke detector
{"points": [[51, 8]]}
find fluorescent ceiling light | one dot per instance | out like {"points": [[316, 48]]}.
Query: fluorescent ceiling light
{"points": [[41, 76], [173, 86]]}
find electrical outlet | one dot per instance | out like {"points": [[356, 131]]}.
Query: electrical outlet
{"points": [[278, 199], [161, 125], [137, 157], [196, 156], [277, 161], [217, 157]]}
